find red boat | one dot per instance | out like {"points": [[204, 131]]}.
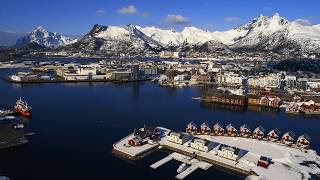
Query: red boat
{"points": [[23, 108]]}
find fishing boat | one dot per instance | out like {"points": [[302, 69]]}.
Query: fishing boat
{"points": [[23, 108]]}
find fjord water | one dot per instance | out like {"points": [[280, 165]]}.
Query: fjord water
{"points": [[76, 124]]}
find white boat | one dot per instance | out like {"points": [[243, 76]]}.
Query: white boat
{"points": [[182, 167]]}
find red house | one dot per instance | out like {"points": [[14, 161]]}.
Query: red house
{"points": [[288, 138], [205, 129], [231, 130], [136, 141], [264, 162], [303, 141], [273, 135], [245, 131], [258, 133], [264, 101], [218, 130], [192, 128]]}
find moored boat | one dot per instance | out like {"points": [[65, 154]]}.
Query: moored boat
{"points": [[23, 108]]}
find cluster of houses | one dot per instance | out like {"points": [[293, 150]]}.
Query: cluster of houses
{"points": [[259, 133], [265, 101], [145, 135]]}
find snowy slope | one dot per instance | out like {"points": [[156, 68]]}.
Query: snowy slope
{"points": [[44, 38], [119, 39]]}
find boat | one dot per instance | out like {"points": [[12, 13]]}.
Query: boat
{"points": [[18, 126], [6, 112], [23, 108], [182, 167]]}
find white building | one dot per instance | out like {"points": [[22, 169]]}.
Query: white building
{"points": [[230, 78], [228, 152], [178, 138], [201, 144]]}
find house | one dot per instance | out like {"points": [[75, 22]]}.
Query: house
{"points": [[253, 100], [264, 101], [273, 135], [274, 102], [218, 130], [228, 152], [136, 141], [231, 130], [147, 132], [192, 128], [303, 141], [245, 131], [201, 144], [178, 137], [288, 138], [264, 162], [258, 133], [205, 129]]}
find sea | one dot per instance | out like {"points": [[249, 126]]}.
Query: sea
{"points": [[74, 126]]}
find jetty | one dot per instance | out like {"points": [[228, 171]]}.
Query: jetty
{"points": [[243, 156]]}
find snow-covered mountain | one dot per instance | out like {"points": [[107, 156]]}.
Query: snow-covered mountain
{"points": [[279, 35], [44, 38], [263, 34], [117, 39]]}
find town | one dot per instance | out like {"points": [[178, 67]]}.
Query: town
{"points": [[230, 82]]}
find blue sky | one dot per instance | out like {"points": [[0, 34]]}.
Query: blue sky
{"points": [[78, 16]]}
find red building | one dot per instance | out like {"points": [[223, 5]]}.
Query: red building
{"points": [[245, 131], [205, 128], [231, 130], [273, 135], [136, 141], [218, 130], [192, 128], [264, 162], [303, 141], [258, 133], [288, 138]]}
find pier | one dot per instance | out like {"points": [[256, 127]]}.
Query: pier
{"points": [[244, 161]]}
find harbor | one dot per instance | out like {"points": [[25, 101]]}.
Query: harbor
{"points": [[260, 155]]}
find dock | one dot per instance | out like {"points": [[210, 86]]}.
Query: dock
{"points": [[161, 162]]}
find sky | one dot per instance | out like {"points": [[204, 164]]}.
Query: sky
{"points": [[76, 17]]}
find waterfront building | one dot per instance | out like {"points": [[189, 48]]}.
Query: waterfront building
{"points": [[136, 141], [245, 131], [218, 130], [135, 72], [192, 128], [303, 141], [231, 130], [205, 129], [178, 137], [201, 144], [264, 162], [258, 133], [228, 152], [273, 135], [288, 138]]}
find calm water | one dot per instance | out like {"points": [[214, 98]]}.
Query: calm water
{"points": [[75, 126]]}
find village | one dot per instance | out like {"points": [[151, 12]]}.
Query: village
{"points": [[248, 153]]}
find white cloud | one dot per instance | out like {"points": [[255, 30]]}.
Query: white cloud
{"points": [[100, 12], [128, 10], [177, 19], [305, 22], [231, 18]]}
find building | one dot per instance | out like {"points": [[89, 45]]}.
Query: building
{"points": [[288, 138], [169, 54], [218, 130], [178, 138], [258, 133], [229, 152], [121, 75], [192, 128], [270, 101], [303, 141], [245, 131], [273, 135], [136, 141], [201, 144], [231, 130], [135, 72], [264, 162], [205, 129]]}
